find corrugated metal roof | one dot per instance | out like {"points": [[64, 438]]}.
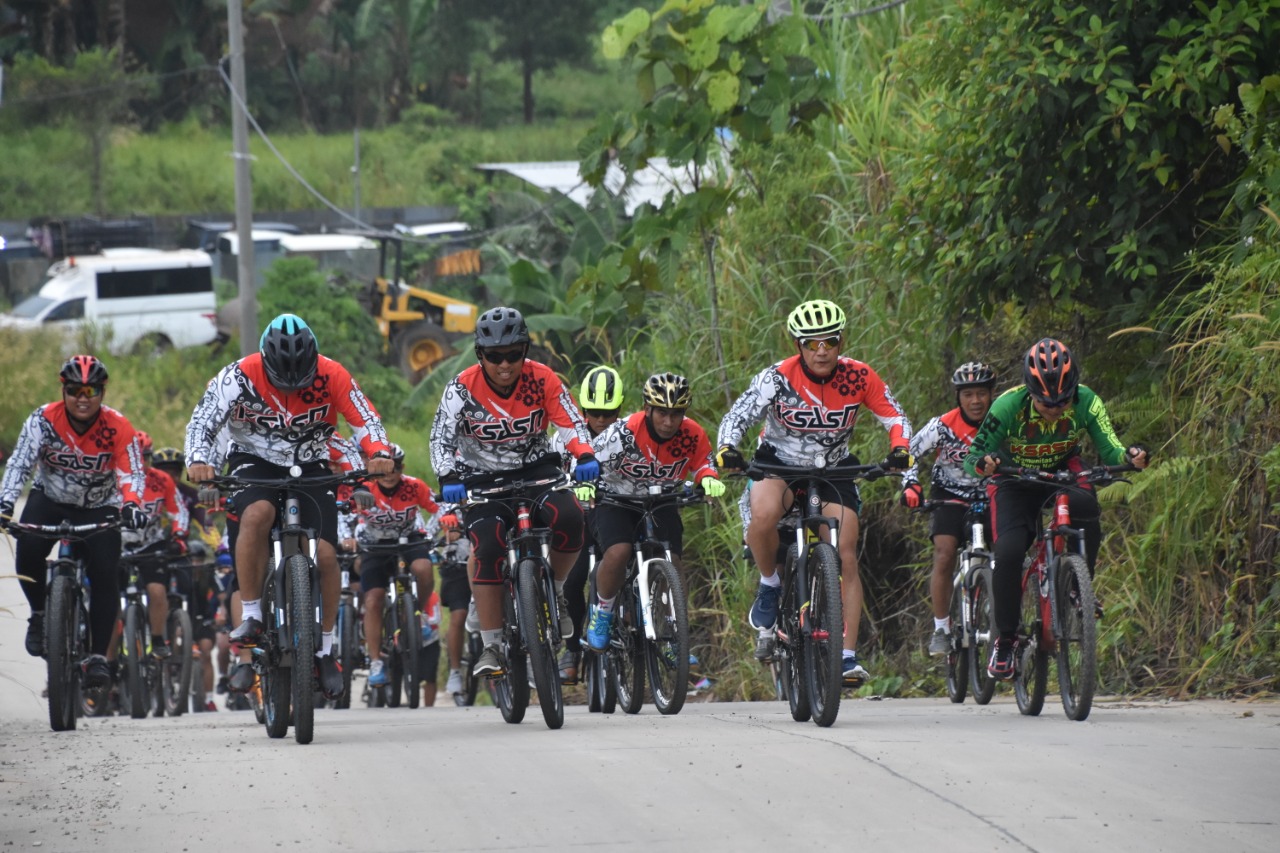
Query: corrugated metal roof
{"points": [[651, 184]]}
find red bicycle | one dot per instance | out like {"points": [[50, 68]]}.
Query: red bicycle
{"points": [[1059, 608]]}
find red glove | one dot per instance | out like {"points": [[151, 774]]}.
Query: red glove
{"points": [[912, 496]]}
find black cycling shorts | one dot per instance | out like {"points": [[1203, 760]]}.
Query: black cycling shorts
{"points": [[376, 570], [318, 504], [843, 492], [455, 589], [612, 525]]}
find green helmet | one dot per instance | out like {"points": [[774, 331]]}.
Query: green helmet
{"points": [[601, 389], [816, 318]]}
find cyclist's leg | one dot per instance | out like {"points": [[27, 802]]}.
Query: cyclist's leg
{"points": [[32, 551], [252, 550], [1015, 513], [563, 514], [770, 500], [101, 553], [424, 573], [851, 580], [487, 528], [455, 595], [375, 577], [1086, 514]]}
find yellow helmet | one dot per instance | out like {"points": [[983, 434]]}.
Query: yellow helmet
{"points": [[601, 389], [667, 391], [816, 318]]}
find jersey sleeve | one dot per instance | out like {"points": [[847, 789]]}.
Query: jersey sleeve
{"points": [[563, 412], [701, 456], [880, 401], [366, 424], [991, 435], [748, 409], [205, 440], [127, 461], [23, 459], [444, 429], [177, 510], [1111, 450]]}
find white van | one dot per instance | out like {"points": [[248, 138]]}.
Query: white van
{"points": [[354, 255], [144, 297]]}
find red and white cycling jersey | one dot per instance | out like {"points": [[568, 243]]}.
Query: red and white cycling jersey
{"points": [[103, 467], [278, 427], [478, 430], [160, 499], [809, 422], [631, 459], [952, 436], [396, 514]]}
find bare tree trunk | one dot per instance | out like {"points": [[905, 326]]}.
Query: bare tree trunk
{"points": [[116, 28], [709, 251]]}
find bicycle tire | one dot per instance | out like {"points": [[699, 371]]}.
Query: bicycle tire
{"points": [[391, 657], [982, 635], [134, 649], [957, 660], [511, 689], [1031, 667], [789, 645], [301, 620], [626, 652], [540, 635], [195, 696], [410, 637], [470, 683], [62, 661], [275, 682], [824, 637], [668, 652], [1077, 636], [601, 696], [348, 649], [175, 671]]}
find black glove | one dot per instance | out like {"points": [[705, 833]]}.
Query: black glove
{"points": [[899, 459], [133, 516], [729, 458], [362, 498]]}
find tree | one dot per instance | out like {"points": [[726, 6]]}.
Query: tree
{"points": [[1071, 152]]}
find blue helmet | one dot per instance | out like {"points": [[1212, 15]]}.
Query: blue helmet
{"points": [[290, 353]]}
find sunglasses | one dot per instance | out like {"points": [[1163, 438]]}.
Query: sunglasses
{"points": [[815, 344], [82, 392], [508, 357], [600, 413]]}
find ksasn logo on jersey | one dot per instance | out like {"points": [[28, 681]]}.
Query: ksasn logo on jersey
{"points": [[817, 419], [77, 461], [508, 429], [651, 469]]}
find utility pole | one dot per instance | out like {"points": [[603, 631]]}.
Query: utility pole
{"points": [[244, 187]]}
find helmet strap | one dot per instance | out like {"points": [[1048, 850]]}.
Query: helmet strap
{"points": [[648, 425], [821, 380]]}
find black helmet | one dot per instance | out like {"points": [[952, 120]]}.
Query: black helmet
{"points": [[501, 327], [169, 456], [289, 353], [83, 370], [1051, 372], [973, 373]]}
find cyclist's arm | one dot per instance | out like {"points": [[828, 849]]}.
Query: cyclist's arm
{"points": [[562, 412], [359, 412], [700, 457], [208, 425], [1098, 423], [922, 444], [23, 459], [444, 430], [126, 459], [990, 438], [880, 401], [180, 519], [749, 409]]}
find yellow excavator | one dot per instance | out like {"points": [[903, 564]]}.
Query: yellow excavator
{"points": [[419, 327]]}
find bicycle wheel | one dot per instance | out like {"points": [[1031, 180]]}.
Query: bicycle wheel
{"points": [[62, 653], [601, 697], [668, 651], [134, 650], [301, 619], [511, 689], [1077, 645], [175, 671], [1031, 661], [470, 683], [626, 652], [957, 654], [195, 695], [789, 645], [348, 650], [541, 636], [823, 636], [982, 634], [410, 637]]}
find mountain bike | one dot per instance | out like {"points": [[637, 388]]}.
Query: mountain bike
{"points": [[349, 628], [472, 647], [809, 634], [531, 632], [651, 618], [139, 671], [1058, 602], [972, 607], [66, 619], [174, 673], [602, 695], [284, 659], [401, 627]]}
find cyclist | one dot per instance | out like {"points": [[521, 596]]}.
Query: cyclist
{"points": [[429, 657], [1039, 425], [455, 593], [655, 446], [281, 405], [88, 469], [950, 435], [159, 499], [397, 498], [809, 403], [493, 419], [601, 399]]}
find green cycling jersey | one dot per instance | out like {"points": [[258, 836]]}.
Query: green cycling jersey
{"points": [[1016, 434]]}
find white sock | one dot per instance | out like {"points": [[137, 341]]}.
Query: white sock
{"points": [[605, 605], [560, 588], [251, 609], [943, 624], [326, 643], [849, 653], [772, 580], [491, 638]]}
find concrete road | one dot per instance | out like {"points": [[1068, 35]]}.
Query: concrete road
{"points": [[890, 775]]}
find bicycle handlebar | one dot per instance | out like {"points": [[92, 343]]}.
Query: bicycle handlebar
{"points": [[62, 530], [677, 494], [873, 471], [1096, 474], [230, 481], [499, 488]]}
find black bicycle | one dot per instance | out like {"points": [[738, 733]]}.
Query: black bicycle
{"points": [[401, 627], [285, 657], [349, 630], [972, 607], [809, 633], [531, 633], [66, 621], [139, 670], [651, 617]]}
